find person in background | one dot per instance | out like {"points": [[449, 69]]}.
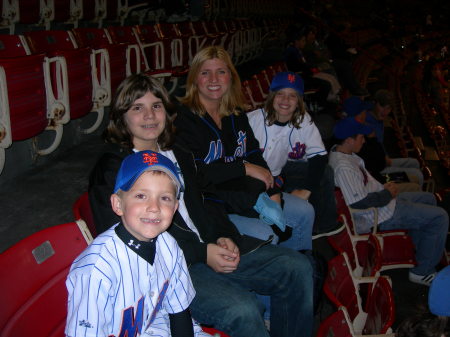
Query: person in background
{"points": [[417, 212], [373, 153], [294, 151]]}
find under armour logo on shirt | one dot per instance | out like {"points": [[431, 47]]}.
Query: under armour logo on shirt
{"points": [[135, 245]]}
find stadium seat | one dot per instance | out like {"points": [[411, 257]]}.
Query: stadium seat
{"points": [[342, 289], [28, 106], [9, 11], [67, 11], [150, 54], [380, 308], [85, 93], [82, 211], [213, 332], [251, 87], [33, 290], [397, 247], [114, 55], [337, 324]]}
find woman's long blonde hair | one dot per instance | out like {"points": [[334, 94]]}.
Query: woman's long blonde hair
{"points": [[232, 101]]}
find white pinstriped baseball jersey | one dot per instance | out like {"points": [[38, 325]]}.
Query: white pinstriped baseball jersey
{"points": [[115, 292], [355, 182], [283, 143]]}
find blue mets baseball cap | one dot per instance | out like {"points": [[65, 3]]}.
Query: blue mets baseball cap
{"points": [[354, 105], [137, 163], [439, 293], [349, 127], [287, 79]]}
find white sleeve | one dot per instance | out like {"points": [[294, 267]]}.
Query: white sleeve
{"points": [[309, 135], [90, 310]]}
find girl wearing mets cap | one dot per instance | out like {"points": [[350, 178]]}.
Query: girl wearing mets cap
{"points": [[287, 135]]}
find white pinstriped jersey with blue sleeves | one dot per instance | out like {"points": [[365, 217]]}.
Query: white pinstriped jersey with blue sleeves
{"points": [[283, 143], [115, 292], [355, 182]]}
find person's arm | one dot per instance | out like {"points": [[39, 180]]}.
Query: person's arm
{"points": [[181, 324], [86, 311], [374, 199]]}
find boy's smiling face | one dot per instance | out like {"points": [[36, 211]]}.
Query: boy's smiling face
{"points": [[148, 206]]}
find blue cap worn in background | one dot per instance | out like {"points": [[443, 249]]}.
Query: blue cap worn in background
{"points": [[354, 105], [287, 79], [137, 163], [349, 127], [439, 293]]}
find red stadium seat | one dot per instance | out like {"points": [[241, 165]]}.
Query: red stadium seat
{"points": [[337, 324], [115, 55], [82, 211], [380, 308], [9, 11], [33, 290], [214, 332], [150, 54], [176, 51], [87, 92], [397, 247], [29, 105], [253, 91], [342, 289]]}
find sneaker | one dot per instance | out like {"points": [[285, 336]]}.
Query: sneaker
{"points": [[422, 279], [336, 229]]}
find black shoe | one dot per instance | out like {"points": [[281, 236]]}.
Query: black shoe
{"points": [[337, 228]]}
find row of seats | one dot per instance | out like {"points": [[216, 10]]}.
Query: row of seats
{"points": [[363, 298], [43, 13], [100, 13], [50, 77]]}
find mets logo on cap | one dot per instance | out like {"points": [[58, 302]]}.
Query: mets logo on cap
{"points": [[287, 79], [137, 163]]}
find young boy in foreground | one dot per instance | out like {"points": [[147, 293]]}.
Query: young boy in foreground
{"points": [[133, 280]]}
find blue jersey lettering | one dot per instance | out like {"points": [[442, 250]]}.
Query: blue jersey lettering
{"points": [[132, 324]]}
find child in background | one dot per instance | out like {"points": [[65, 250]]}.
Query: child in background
{"points": [[133, 279], [293, 148]]}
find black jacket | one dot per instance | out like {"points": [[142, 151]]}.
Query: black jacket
{"points": [[220, 155], [208, 217]]}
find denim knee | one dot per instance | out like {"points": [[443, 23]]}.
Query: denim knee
{"points": [[243, 319]]}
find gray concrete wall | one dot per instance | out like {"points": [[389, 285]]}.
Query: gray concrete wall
{"points": [[21, 156]]}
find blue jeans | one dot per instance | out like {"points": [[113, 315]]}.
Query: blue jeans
{"points": [[427, 225], [299, 215], [410, 166], [228, 301]]}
